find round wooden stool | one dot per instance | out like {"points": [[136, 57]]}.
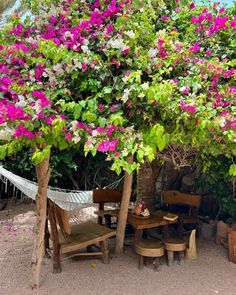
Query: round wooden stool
{"points": [[174, 245], [149, 248]]}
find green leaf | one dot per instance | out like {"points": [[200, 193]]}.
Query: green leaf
{"points": [[77, 111], [3, 151], [39, 155], [232, 170]]}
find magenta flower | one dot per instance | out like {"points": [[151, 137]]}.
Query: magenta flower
{"points": [[192, 6], [100, 107], [164, 18], [125, 51], [100, 130], [222, 10], [109, 29], [68, 136], [81, 126], [186, 91], [195, 47], [44, 101]]}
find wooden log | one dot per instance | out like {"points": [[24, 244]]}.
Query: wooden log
{"points": [[191, 251], [55, 239], [120, 232], [43, 176]]}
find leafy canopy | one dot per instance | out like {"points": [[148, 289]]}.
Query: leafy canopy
{"points": [[120, 77]]}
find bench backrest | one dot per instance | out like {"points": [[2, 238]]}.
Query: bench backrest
{"points": [[173, 197], [107, 196]]}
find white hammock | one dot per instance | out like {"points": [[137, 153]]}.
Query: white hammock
{"points": [[67, 200]]}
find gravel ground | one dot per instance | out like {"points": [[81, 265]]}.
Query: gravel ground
{"points": [[211, 273]]}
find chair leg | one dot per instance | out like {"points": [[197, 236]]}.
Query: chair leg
{"points": [[182, 256], [140, 262], [104, 250], [156, 263], [170, 258], [108, 221]]}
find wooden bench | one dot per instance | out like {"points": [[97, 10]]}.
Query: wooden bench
{"points": [[70, 239], [176, 201], [103, 196]]}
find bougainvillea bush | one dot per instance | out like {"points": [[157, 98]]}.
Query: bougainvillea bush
{"points": [[120, 77]]}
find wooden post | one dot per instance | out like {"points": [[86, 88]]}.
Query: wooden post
{"points": [[120, 232], [43, 176], [55, 239]]}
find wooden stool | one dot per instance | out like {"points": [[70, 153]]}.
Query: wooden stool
{"points": [[149, 248], [174, 245]]}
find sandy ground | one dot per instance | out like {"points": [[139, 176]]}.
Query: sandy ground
{"points": [[210, 274]]}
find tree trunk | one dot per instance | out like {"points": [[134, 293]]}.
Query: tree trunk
{"points": [[120, 232], [74, 182], [43, 175]]}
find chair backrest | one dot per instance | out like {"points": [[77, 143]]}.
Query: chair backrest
{"points": [[173, 197], [107, 196]]}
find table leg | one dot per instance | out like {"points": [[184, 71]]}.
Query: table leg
{"points": [[138, 235], [165, 231]]}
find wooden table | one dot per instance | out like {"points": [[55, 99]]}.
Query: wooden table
{"points": [[155, 220]]}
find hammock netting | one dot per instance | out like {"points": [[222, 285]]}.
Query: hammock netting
{"points": [[66, 199]]}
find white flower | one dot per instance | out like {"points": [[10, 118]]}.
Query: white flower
{"points": [[21, 103], [145, 86], [95, 133], [130, 34], [125, 96], [76, 137], [74, 125], [117, 44], [152, 52], [84, 48], [6, 134]]}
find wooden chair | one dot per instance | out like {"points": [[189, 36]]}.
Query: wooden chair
{"points": [[70, 239], [102, 196], [179, 246], [149, 248], [175, 200]]}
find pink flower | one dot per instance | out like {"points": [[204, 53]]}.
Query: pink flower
{"points": [[107, 145], [113, 108], [192, 6], [186, 91], [21, 131], [68, 136], [81, 126], [44, 101], [195, 47], [84, 67], [125, 51], [164, 18], [109, 29], [222, 10], [100, 130], [100, 107], [208, 52], [116, 154]]}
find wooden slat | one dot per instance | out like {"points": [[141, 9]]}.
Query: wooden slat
{"points": [[107, 196], [83, 235], [178, 198]]}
